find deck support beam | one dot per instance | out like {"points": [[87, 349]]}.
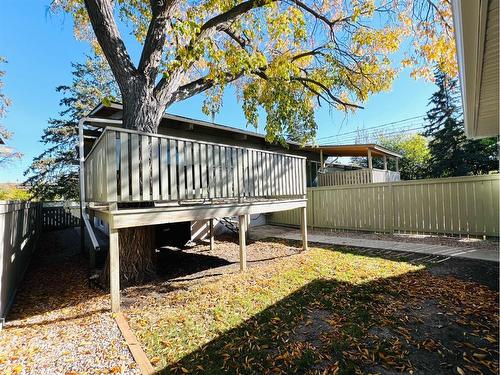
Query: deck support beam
{"points": [[114, 270], [211, 233], [243, 244], [303, 227]]}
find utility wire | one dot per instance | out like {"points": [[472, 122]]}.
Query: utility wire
{"points": [[368, 138], [374, 132], [400, 124]]}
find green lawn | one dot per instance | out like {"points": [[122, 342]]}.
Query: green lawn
{"points": [[322, 311]]}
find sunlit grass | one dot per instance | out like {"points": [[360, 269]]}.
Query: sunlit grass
{"points": [[181, 323]]}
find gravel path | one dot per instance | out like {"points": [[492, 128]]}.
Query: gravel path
{"points": [[58, 324]]}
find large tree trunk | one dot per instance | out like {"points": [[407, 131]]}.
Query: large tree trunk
{"points": [[141, 111], [137, 247]]}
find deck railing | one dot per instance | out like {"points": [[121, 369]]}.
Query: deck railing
{"points": [[357, 177], [129, 166]]}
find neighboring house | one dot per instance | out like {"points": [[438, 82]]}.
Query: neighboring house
{"points": [[337, 174], [477, 37]]}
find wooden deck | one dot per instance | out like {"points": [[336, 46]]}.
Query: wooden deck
{"points": [[136, 217], [185, 180]]}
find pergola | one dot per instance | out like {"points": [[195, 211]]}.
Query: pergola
{"points": [[357, 150]]}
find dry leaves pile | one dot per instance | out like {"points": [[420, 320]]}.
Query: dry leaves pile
{"points": [[58, 324]]}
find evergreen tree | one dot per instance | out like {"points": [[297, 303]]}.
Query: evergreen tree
{"points": [[54, 173], [452, 154]]}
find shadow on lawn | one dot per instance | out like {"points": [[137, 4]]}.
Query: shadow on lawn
{"points": [[328, 326]]}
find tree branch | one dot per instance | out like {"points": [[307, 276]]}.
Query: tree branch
{"points": [[198, 86], [210, 27], [327, 91], [106, 31], [152, 51], [231, 14]]}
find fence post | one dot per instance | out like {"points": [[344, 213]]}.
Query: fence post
{"points": [[312, 209], [392, 210]]}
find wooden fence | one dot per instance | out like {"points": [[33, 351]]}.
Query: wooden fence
{"points": [[19, 230], [126, 166], [459, 205], [58, 215]]}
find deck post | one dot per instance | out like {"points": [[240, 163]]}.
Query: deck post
{"points": [[243, 245], [397, 164], [385, 162], [303, 227], [114, 270], [247, 225], [211, 234]]}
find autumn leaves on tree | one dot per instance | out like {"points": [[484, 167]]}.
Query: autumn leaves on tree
{"points": [[285, 57]]}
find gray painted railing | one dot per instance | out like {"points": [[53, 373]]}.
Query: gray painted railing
{"points": [[129, 166]]}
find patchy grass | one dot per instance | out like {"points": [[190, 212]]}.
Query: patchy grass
{"points": [[322, 311]]}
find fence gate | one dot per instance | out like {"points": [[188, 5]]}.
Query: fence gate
{"points": [[60, 215]]}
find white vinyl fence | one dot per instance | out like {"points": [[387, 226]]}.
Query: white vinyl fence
{"points": [[20, 227], [459, 205]]}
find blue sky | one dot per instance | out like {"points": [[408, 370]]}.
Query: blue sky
{"points": [[40, 47]]}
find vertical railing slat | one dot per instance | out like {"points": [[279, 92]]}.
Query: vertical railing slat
{"points": [[155, 169], [135, 167], [124, 170], [188, 149], [111, 180], [146, 171], [196, 164], [182, 172], [204, 174], [164, 168], [172, 165], [210, 169]]}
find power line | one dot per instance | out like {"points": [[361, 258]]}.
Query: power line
{"points": [[357, 131], [376, 132], [373, 136], [366, 138]]}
